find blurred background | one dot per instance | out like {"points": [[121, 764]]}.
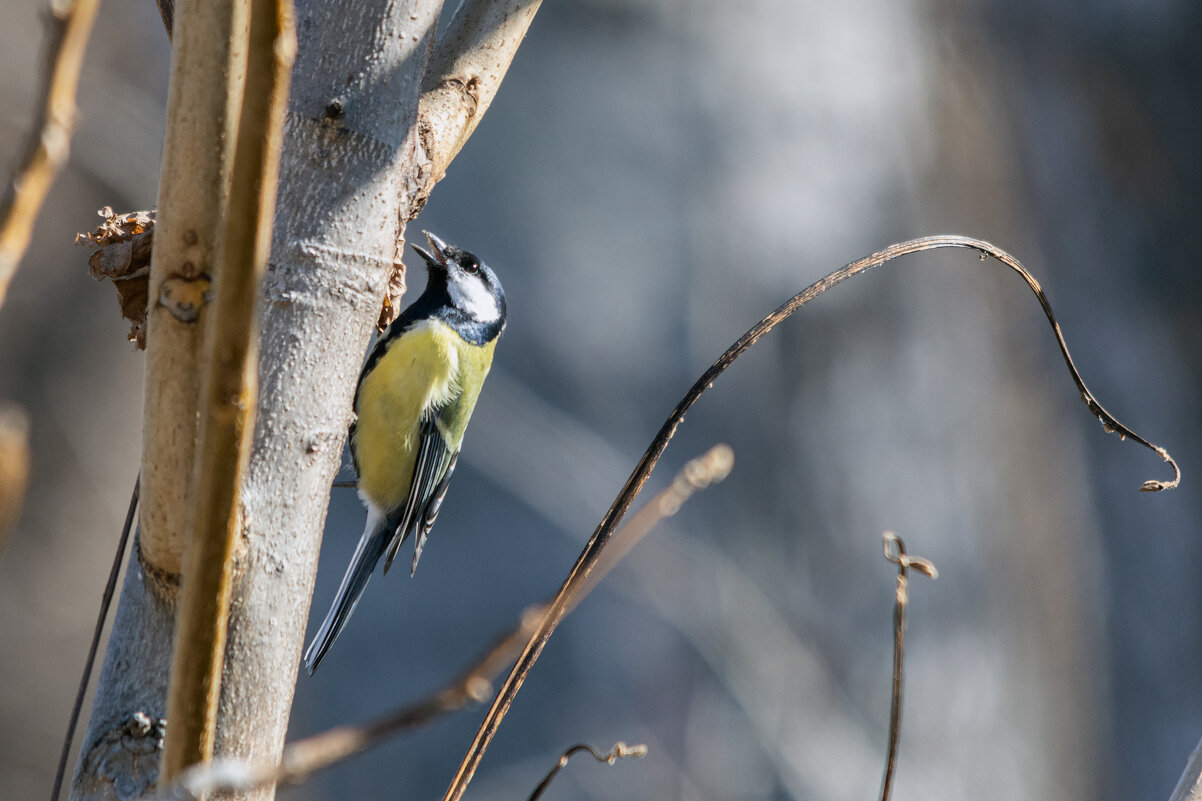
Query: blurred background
{"points": [[653, 177]]}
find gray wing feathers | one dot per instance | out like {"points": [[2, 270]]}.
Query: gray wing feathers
{"points": [[431, 472], [431, 513]]}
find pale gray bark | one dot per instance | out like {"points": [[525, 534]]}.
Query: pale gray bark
{"points": [[119, 759], [348, 149], [351, 176]]}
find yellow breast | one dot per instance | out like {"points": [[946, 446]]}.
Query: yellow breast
{"points": [[419, 370]]}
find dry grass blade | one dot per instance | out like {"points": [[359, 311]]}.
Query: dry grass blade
{"points": [[106, 601], [305, 757], [634, 484], [895, 551], [14, 466], [619, 751], [50, 142], [697, 474]]}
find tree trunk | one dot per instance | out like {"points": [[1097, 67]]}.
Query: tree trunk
{"points": [[354, 170]]}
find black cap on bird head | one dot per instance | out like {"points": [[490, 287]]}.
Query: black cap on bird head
{"points": [[468, 285]]}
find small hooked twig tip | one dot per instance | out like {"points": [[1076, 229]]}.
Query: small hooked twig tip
{"points": [[895, 552], [1153, 485], [619, 751]]}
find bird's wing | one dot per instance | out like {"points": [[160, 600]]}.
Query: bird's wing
{"points": [[431, 513], [431, 474]]}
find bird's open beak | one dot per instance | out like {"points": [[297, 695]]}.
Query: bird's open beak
{"points": [[439, 248]]}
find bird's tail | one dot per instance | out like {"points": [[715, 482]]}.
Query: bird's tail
{"points": [[371, 547]]}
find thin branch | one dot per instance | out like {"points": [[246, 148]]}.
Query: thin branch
{"points": [[106, 600], [467, 65], [634, 484], [742, 636], [619, 751], [50, 142], [231, 388], [303, 758], [14, 466], [895, 551], [465, 71], [1189, 787], [167, 13]]}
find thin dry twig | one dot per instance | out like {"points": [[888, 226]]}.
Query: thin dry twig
{"points": [[467, 64], [14, 466], [601, 536], [1189, 786], [106, 600], [305, 757], [50, 142], [895, 552], [619, 751]]}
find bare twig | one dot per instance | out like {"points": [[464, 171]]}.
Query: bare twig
{"points": [[230, 391], [619, 751], [699, 473], [304, 757], [106, 600], [167, 12], [634, 484], [466, 67], [50, 142], [14, 466], [465, 71], [1189, 787], [722, 612], [895, 552]]}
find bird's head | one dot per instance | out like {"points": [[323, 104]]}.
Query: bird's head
{"points": [[472, 287]]}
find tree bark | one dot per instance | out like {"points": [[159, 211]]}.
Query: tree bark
{"points": [[352, 173], [348, 149]]}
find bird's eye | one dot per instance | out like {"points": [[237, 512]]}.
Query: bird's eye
{"points": [[471, 268]]}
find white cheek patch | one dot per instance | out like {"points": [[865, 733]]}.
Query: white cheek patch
{"points": [[470, 294]]}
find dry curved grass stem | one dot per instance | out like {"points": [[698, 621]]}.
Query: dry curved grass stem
{"points": [[50, 143], [895, 552], [596, 545], [619, 751], [304, 757]]}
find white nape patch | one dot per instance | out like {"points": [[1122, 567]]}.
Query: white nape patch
{"points": [[470, 294]]}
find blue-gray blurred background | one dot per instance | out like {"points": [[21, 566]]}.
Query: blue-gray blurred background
{"points": [[653, 177]]}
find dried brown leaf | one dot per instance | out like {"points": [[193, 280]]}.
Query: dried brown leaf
{"points": [[124, 243]]}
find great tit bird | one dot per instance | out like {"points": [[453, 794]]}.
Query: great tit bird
{"points": [[417, 390]]}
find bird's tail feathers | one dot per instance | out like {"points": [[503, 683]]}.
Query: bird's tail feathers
{"points": [[376, 534]]}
